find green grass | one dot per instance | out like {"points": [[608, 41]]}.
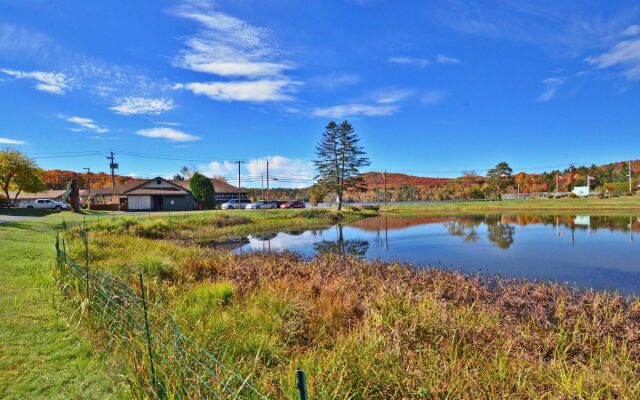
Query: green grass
{"points": [[628, 203], [41, 357]]}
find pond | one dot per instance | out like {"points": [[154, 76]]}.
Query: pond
{"points": [[587, 251]]}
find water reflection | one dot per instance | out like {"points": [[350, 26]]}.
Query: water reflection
{"points": [[351, 247], [590, 250]]}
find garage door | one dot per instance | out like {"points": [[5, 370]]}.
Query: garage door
{"points": [[139, 202]]}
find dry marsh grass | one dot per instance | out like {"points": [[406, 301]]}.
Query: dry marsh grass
{"points": [[373, 330]]}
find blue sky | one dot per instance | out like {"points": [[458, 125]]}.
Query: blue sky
{"points": [[433, 88]]}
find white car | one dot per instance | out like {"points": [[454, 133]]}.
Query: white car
{"points": [[234, 204], [47, 204], [261, 205]]}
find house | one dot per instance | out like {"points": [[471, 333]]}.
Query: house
{"points": [[581, 191], [158, 194], [26, 199]]}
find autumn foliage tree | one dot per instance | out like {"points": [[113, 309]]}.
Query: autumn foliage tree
{"points": [[18, 173]]}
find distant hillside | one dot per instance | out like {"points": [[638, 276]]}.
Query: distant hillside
{"points": [[375, 180], [58, 179]]}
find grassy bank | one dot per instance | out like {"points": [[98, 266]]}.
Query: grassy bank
{"points": [[372, 330], [631, 203], [41, 357]]}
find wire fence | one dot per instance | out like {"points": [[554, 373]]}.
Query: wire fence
{"points": [[165, 363]]}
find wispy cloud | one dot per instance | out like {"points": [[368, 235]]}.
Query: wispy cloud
{"points": [[444, 59], [141, 105], [253, 91], [552, 85], [334, 81], [433, 97], [415, 61], [229, 47], [170, 134], [50, 82], [84, 124], [219, 168], [625, 55], [355, 109], [225, 45], [391, 95], [11, 141]]}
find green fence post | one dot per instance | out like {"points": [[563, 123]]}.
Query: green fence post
{"points": [[148, 331], [85, 239], [302, 385]]}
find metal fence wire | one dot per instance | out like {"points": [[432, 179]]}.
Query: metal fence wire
{"points": [[166, 364]]}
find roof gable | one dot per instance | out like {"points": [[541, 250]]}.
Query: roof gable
{"points": [[156, 184]]}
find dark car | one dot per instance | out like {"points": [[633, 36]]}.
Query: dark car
{"points": [[293, 204], [5, 204]]}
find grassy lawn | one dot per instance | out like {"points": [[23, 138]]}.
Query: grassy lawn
{"points": [[631, 203], [41, 356]]}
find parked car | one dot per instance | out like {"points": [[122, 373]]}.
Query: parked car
{"points": [[293, 204], [5, 204], [47, 204], [261, 205], [234, 204]]}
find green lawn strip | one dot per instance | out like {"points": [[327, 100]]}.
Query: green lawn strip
{"points": [[613, 204], [41, 356]]}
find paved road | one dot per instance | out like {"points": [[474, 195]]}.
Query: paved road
{"points": [[15, 218]]}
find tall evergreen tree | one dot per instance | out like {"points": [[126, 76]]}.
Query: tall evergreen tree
{"points": [[340, 159], [500, 177]]}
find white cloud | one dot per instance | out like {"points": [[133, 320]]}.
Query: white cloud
{"points": [[50, 82], [433, 97], [289, 172], [217, 168], [443, 59], [255, 91], [624, 55], [84, 124], [11, 141], [416, 61], [170, 134], [347, 110], [633, 30], [552, 85], [226, 45], [141, 105]]}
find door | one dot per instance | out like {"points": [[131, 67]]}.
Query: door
{"points": [[157, 203]]}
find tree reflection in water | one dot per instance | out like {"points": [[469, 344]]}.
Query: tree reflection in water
{"points": [[499, 233], [342, 247]]}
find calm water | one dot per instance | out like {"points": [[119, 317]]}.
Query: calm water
{"points": [[601, 252]]}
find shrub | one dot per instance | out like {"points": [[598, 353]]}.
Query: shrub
{"points": [[572, 195], [154, 229], [315, 213]]}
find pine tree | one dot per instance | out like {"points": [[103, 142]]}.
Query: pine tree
{"points": [[340, 159]]}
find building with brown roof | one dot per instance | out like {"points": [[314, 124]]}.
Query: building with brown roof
{"points": [[158, 194]]}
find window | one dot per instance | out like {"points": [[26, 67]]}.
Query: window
{"points": [[158, 181], [40, 201]]}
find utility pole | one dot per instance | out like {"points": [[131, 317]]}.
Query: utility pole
{"points": [[384, 176], [267, 180], [239, 182], [88, 180], [630, 184], [262, 179], [113, 166]]}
